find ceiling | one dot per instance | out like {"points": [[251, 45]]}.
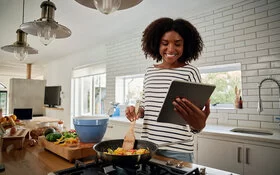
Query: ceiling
{"points": [[89, 27]]}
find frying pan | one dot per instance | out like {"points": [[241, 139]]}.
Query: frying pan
{"points": [[127, 160]]}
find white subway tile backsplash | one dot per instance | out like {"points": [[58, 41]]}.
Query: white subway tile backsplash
{"points": [[270, 125], [274, 51], [268, 19], [245, 49], [275, 37], [268, 72], [258, 66], [269, 32], [246, 123], [255, 16], [256, 28], [275, 44], [255, 4], [238, 116], [265, 118], [245, 37], [262, 40], [244, 25], [243, 13]]}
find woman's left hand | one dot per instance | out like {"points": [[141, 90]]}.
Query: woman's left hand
{"points": [[194, 116]]}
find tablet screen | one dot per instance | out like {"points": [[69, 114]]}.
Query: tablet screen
{"points": [[197, 93]]}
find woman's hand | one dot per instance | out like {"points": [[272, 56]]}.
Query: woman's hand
{"points": [[195, 117], [131, 115]]}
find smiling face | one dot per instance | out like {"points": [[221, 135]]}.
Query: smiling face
{"points": [[171, 49]]}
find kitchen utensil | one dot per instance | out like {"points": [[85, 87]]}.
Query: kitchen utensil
{"points": [[128, 160], [129, 138]]}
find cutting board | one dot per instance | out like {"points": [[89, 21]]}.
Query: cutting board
{"points": [[71, 154], [16, 140]]}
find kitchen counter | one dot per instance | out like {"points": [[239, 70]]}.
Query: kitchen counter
{"points": [[221, 130], [37, 160]]}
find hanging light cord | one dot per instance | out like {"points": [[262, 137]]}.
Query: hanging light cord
{"points": [[23, 11]]}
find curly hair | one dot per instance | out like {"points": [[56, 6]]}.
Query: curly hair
{"points": [[152, 35]]}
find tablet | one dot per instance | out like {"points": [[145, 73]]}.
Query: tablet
{"points": [[197, 93]]}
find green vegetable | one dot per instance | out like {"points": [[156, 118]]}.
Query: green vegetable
{"points": [[48, 130], [52, 137], [69, 134]]}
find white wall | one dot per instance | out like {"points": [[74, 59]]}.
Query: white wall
{"points": [[60, 72], [247, 32]]}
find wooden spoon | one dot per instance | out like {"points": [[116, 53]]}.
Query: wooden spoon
{"points": [[129, 139]]}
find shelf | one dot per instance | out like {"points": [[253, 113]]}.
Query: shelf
{"points": [[55, 108]]}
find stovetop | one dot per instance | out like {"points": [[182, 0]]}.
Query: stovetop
{"points": [[153, 167]]}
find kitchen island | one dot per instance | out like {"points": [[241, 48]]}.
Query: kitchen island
{"points": [[36, 160]]}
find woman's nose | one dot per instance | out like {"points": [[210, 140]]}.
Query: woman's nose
{"points": [[170, 47]]}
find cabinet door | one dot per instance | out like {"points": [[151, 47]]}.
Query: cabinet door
{"points": [[116, 131], [260, 160], [220, 154]]}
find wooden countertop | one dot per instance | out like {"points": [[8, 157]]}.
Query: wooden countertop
{"points": [[31, 160], [36, 160]]}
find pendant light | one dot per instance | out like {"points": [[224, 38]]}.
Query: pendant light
{"points": [[46, 28], [20, 48], [109, 6]]}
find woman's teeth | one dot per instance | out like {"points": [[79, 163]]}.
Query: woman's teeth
{"points": [[171, 55]]}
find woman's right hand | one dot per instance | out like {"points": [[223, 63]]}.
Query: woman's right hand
{"points": [[131, 115]]}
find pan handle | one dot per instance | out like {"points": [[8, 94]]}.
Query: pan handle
{"points": [[173, 143]]}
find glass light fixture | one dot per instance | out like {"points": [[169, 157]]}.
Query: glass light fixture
{"points": [[20, 48], [20, 53], [107, 6], [46, 28], [46, 34]]}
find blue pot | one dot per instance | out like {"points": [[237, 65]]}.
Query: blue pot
{"points": [[90, 129]]}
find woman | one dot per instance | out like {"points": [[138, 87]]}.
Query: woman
{"points": [[173, 43]]}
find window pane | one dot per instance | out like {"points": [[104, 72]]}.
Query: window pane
{"points": [[99, 94], [86, 95], [225, 77], [3, 101]]}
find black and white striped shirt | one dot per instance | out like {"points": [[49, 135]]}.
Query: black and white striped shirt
{"points": [[156, 84]]}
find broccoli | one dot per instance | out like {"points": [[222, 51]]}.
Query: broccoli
{"points": [[52, 137]]}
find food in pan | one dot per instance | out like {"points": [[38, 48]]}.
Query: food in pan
{"points": [[121, 151]]}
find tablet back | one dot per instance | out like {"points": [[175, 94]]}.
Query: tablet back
{"points": [[197, 93]]}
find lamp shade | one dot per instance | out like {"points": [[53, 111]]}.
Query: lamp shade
{"points": [[46, 28], [20, 48], [125, 4]]}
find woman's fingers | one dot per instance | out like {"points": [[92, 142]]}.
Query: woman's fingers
{"points": [[130, 113], [191, 113]]}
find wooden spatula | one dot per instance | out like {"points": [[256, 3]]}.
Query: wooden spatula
{"points": [[129, 139]]}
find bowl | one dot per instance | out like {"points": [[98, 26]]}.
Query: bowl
{"points": [[90, 129]]}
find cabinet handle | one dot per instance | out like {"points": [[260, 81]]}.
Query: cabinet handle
{"points": [[238, 154], [247, 155]]}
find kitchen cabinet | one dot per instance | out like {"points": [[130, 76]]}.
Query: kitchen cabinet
{"points": [[238, 156], [118, 129]]}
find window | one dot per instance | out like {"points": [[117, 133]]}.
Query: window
{"points": [[129, 88], [225, 77], [88, 91], [88, 95], [3, 98], [3, 101]]}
